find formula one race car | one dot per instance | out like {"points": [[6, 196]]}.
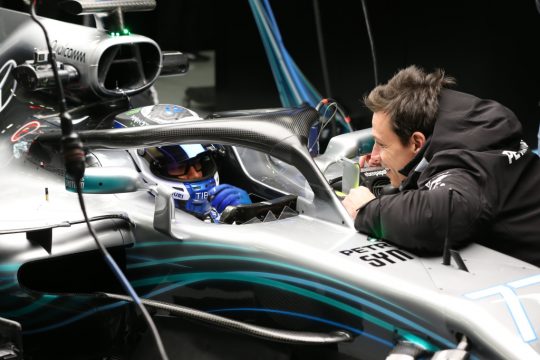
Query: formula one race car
{"points": [[285, 277]]}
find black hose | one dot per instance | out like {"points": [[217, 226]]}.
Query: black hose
{"points": [[322, 53], [371, 43], [276, 335]]}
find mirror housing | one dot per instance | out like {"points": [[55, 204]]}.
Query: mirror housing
{"points": [[107, 180]]}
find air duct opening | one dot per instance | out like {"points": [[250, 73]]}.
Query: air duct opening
{"points": [[128, 67]]}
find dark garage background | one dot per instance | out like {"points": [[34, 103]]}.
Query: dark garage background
{"points": [[489, 46]]}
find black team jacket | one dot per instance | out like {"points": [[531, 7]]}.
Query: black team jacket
{"points": [[475, 149]]}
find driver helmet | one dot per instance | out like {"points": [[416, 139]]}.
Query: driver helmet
{"points": [[190, 169]]}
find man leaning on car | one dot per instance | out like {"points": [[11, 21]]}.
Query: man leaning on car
{"points": [[433, 139]]}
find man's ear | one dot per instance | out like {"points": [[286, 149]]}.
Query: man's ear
{"points": [[417, 140]]}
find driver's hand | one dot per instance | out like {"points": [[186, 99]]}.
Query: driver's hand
{"points": [[357, 198], [224, 195]]}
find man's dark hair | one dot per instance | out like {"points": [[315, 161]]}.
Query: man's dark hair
{"points": [[410, 99]]}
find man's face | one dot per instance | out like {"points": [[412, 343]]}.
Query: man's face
{"points": [[186, 171], [392, 153]]}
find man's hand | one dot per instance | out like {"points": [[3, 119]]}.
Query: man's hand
{"points": [[369, 160], [357, 198], [224, 195]]}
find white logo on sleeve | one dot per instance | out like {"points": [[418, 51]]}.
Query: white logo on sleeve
{"points": [[436, 182]]}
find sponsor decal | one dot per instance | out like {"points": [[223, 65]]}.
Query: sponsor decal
{"points": [[202, 195], [180, 192], [378, 254], [180, 196], [516, 155], [68, 52], [133, 122], [71, 185], [8, 84], [25, 130], [136, 121], [509, 294], [376, 173]]}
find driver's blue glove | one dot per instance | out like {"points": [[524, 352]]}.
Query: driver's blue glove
{"points": [[224, 195]]}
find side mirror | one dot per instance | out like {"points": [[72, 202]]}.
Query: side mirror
{"points": [[107, 180], [345, 146]]}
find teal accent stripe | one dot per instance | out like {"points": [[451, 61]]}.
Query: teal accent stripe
{"points": [[185, 279], [193, 243], [43, 300], [348, 296], [267, 262], [9, 267], [145, 259]]}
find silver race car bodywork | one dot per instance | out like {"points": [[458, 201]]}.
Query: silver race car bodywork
{"points": [[300, 268]]}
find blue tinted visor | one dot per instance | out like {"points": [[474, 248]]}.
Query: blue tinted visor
{"points": [[179, 160]]}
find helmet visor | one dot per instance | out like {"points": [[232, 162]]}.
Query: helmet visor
{"points": [[172, 162]]}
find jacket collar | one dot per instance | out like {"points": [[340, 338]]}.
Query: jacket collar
{"points": [[414, 168]]}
